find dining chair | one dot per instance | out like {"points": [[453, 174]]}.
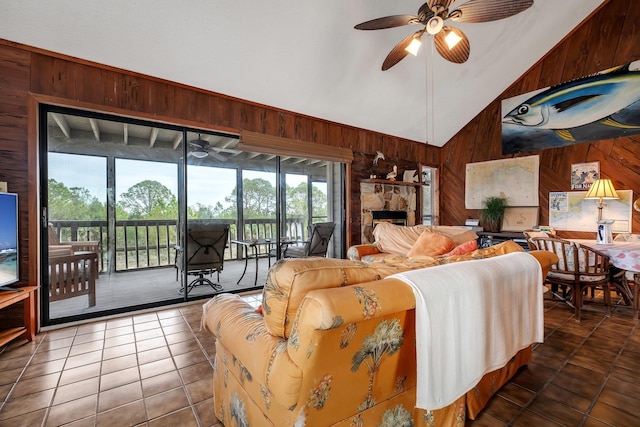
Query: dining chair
{"points": [[578, 268], [627, 280], [530, 233]]}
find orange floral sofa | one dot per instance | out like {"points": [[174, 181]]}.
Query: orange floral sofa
{"points": [[334, 346], [419, 240]]}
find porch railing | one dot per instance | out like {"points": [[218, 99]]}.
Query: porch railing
{"points": [[139, 244]]}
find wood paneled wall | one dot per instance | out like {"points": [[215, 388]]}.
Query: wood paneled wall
{"points": [[29, 76], [608, 38]]}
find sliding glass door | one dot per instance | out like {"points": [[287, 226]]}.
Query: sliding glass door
{"points": [[126, 203]]}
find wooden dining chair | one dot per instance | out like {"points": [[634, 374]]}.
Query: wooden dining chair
{"points": [[578, 268], [627, 280]]}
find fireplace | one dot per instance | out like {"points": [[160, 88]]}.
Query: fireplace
{"points": [[386, 202], [394, 217]]}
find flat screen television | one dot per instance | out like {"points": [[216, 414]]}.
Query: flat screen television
{"points": [[8, 239]]}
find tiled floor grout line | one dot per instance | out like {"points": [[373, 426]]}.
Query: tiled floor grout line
{"points": [[550, 380], [15, 384], [608, 374]]}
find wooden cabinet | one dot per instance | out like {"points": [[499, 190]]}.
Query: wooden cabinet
{"points": [[16, 321]]}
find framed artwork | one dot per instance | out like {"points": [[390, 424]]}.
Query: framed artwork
{"points": [[569, 210], [515, 179], [584, 174], [578, 116], [520, 218]]}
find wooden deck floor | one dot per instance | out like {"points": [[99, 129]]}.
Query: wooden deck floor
{"points": [[136, 288]]}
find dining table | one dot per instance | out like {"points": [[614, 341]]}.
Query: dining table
{"points": [[624, 255]]}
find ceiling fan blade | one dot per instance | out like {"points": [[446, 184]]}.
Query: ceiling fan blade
{"points": [[387, 22], [489, 10], [398, 52], [460, 52], [217, 156]]}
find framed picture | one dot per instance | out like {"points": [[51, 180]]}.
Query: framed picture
{"points": [[520, 218], [583, 175]]}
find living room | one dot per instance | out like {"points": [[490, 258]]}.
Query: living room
{"points": [[32, 76]]}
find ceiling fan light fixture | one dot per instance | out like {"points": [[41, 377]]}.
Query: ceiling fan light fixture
{"points": [[452, 39], [434, 25], [414, 46], [199, 154]]}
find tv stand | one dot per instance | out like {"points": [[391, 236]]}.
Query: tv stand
{"points": [[17, 323], [10, 289]]}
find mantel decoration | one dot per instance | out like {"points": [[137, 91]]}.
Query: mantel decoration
{"points": [[491, 214]]}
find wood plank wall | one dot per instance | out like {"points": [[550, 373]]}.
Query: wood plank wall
{"points": [[29, 76], [609, 38]]}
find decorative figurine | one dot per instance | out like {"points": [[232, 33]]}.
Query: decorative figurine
{"points": [[391, 176], [379, 156]]}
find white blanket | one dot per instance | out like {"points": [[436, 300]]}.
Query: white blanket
{"points": [[471, 318]]}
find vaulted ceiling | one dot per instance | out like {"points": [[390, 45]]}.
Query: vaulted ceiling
{"points": [[304, 57]]}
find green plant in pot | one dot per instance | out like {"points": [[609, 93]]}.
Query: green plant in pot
{"points": [[492, 211]]}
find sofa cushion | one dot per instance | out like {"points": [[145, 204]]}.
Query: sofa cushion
{"points": [[289, 281], [464, 248], [398, 240], [431, 244]]}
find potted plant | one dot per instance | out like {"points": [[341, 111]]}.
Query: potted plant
{"points": [[492, 211]]}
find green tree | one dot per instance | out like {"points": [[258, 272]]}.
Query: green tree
{"points": [[150, 200], [75, 203], [258, 198]]}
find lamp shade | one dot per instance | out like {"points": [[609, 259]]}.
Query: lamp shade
{"points": [[602, 189]]}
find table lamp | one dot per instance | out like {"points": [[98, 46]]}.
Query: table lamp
{"points": [[601, 189]]}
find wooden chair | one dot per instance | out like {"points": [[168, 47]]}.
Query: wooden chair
{"points": [[627, 280], [578, 269], [72, 274], [76, 246], [317, 245], [205, 246], [529, 234]]}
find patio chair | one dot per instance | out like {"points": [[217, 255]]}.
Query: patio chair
{"points": [[205, 246], [319, 235], [72, 274], [578, 269], [76, 246]]}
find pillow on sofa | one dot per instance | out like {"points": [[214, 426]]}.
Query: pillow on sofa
{"points": [[396, 239], [431, 244], [465, 248]]}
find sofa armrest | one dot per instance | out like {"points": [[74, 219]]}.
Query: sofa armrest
{"points": [[356, 252], [336, 308], [546, 260], [243, 334]]}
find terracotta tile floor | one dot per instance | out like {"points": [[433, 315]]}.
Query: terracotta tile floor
{"points": [[155, 369]]}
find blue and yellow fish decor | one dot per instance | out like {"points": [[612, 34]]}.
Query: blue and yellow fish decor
{"points": [[600, 106]]}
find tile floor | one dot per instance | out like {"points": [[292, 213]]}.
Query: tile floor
{"points": [[154, 369]]}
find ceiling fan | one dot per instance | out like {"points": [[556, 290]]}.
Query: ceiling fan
{"points": [[450, 42], [201, 148]]}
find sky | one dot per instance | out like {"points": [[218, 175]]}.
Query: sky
{"points": [[205, 185]]}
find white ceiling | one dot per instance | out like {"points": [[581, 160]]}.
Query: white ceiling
{"points": [[301, 56]]}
